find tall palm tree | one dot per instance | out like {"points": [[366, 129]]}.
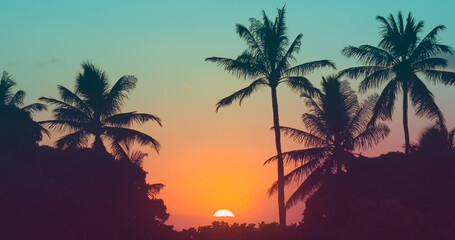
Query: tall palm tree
{"points": [[92, 111], [337, 124], [268, 60], [15, 100], [399, 58]]}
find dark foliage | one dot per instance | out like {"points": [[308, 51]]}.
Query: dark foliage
{"points": [[389, 197], [224, 231], [76, 194]]}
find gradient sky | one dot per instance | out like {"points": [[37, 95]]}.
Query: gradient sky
{"points": [[208, 161]]}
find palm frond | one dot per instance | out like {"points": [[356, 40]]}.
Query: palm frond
{"points": [[302, 137], [118, 93], [63, 125], [301, 84], [385, 105], [289, 56], [307, 188], [297, 175], [310, 67], [371, 136], [130, 135], [429, 64], [438, 76], [76, 140], [238, 67], [423, 101], [375, 79], [127, 119], [241, 94], [72, 99], [356, 72], [299, 157], [369, 55], [17, 99], [34, 107]]}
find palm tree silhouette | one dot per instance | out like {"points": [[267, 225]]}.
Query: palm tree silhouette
{"points": [[397, 60], [15, 100], [337, 124], [93, 110], [268, 60]]}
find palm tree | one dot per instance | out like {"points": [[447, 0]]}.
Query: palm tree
{"points": [[399, 58], [15, 100], [268, 60], [337, 124], [93, 110]]}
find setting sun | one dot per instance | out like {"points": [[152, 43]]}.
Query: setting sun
{"points": [[223, 213]]}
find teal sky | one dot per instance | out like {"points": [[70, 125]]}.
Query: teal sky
{"points": [[164, 43]]}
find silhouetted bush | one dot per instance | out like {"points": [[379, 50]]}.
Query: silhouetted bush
{"points": [[389, 197], [76, 194]]}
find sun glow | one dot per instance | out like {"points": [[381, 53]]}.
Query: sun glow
{"points": [[223, 213]]}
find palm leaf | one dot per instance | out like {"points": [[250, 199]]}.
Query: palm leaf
{"points": [[241, 94], [127, 119]]}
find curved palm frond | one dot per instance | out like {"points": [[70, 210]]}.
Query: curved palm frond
{"points": [[369, 55], [423, 101], [302, 137], [17, 99], [34, 107], [385, 105], [297, 175], [438, 76], [241, 94], [127, 119], [302, 156], [130, 135], [371, 136], [375, 79], [78, 139], [302, 85], [239, 67], [307, 188], [118, 93], [310, 67], [70, 99]]}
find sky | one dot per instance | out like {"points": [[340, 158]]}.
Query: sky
{"points": [[208, 161]]}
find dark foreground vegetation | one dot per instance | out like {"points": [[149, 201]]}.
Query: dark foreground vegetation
{"points": [[85, 194], [47, 193]]}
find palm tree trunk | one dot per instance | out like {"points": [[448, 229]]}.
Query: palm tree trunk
{"points": [[276, 125], [405, 119]]}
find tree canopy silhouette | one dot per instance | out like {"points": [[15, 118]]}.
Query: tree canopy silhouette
{"points": [[268, 61], [18, 130], [398, 60], [93, 109], [337, 124]]}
